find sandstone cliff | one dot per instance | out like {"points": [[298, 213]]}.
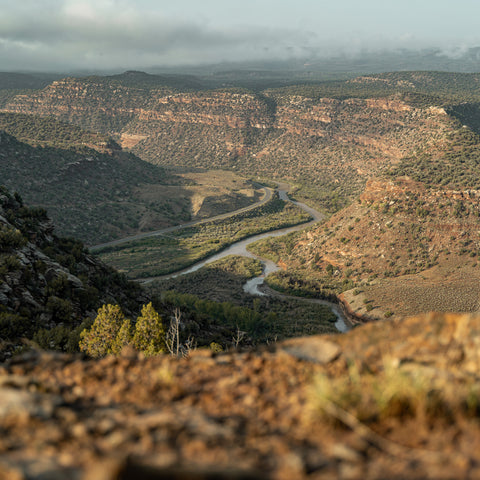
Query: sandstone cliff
{"points": [[331, 144]]}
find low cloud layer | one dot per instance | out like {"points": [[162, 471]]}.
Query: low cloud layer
{"points": [[110, 34], [114, 34]]}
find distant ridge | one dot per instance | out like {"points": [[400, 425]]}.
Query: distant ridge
{"points": [[12, 80], [137, 79]]}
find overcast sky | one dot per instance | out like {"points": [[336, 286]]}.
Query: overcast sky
{"points": [[60, 35]]}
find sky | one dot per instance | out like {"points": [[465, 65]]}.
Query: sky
{"points": [[61, 35]]}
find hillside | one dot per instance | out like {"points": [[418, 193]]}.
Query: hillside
{"points": [[330, 137], [367, 404], [12, 84], [401, 249], [14, 81], [395, 156], [49, 285], [51, 289], [96, 192], [45, 131], [91, 195], [446, 87]]}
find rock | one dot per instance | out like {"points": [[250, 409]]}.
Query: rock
{"points": [[313, 349], [233, 415], [118, 469], [343, 452], [15, 402], [37, 468]]}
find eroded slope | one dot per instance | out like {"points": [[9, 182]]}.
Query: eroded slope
{"points": [[402, 248], [329, 144]]}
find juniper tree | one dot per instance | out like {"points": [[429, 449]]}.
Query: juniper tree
{"points": [[149, 336], [101, 337]]}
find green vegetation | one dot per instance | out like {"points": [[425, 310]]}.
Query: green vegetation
{"points": [[274, 248], [7, 94], [328, 137], [156, 256], [457, 167], [145, 81], [213, 297], [298, 283], [51, 283], [47, 131], [417, 88], [218, 281], [257, 325], [262, 322], [112, 331], [17, 81], [90, 195], [305, 281]]}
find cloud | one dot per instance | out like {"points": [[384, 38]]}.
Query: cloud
{"points": [[67, 35], [114, 33]]}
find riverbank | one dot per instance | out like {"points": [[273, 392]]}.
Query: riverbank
{"points": [[267, 196], [220, 285], [343, 323], [172, 252], [255, 286]]}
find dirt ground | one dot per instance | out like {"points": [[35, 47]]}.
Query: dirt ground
{"points": [[394, 399], [210, 193]]}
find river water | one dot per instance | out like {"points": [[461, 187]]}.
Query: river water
{"points": [[253, 285]]}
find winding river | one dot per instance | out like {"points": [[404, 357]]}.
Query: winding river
{"points": [[255, 286]]}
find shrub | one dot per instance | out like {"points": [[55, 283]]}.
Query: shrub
{"points": [[12, 325], [61, 310], [11, 238], [123, 338], [216, 347]]}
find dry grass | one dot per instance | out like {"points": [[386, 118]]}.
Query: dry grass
{"points": [[397, 392], [208, 193], [453, 285]]}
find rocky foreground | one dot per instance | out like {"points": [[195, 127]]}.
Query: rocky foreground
{"points": [[398, 399]]}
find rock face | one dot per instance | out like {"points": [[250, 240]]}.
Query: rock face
{"points": [[47, 282], [334, 144], [406, 390]]}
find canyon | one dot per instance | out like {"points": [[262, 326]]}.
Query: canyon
{"points": [[328, 144], [393, 157], [391, 160]]}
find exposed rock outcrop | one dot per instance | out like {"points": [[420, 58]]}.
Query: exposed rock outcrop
{"points": [[47, 281], [335, 144]]}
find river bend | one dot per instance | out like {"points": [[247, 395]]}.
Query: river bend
{"points": [[255, 286]]}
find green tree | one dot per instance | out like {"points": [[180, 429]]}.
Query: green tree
{"points": [[101, 337], [149, 336], [123, 337]]}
